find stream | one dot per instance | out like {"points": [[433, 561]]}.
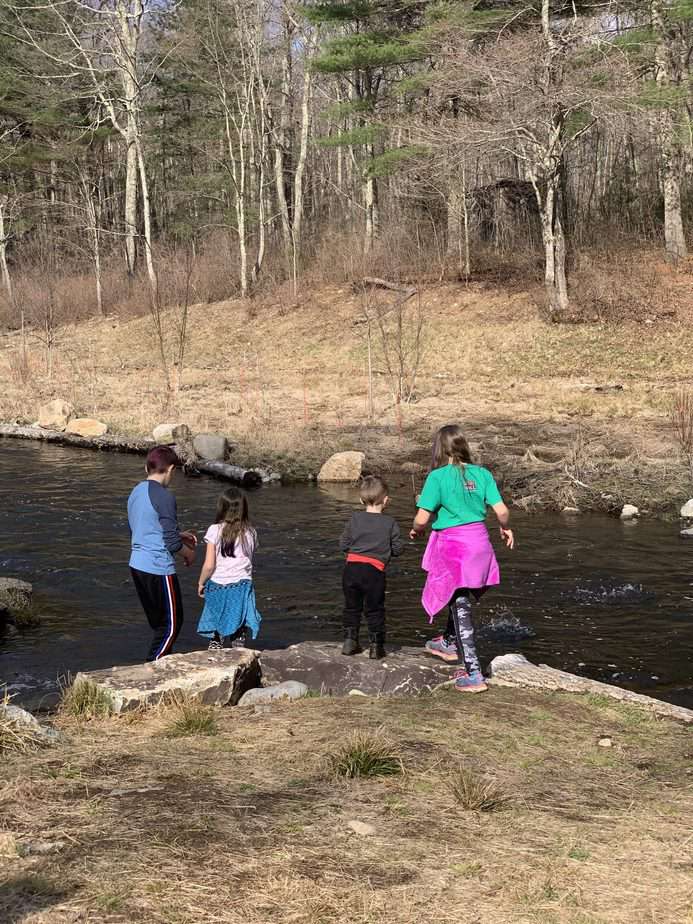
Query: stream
{"points": [[588, 594]]}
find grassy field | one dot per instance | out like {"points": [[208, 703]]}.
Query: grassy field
{"points": [[289, 383], [507, 810]]}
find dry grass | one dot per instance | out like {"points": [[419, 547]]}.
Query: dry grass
{"points": [[246, 828], [15, 737], [190, 717], [476, 793], [289, 382], [85, 700], [366, 754]]}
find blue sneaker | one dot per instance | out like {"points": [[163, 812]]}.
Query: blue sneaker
{"points": [[441, 648], [470, 683]]}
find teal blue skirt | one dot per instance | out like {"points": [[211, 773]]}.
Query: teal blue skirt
{"points": [[228, 608]]}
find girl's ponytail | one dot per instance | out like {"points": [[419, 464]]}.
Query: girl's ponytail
{"points": [[232, 515], [450, 443]]}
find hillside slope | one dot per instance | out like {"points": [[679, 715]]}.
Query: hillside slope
{"points": [[290, 385]]}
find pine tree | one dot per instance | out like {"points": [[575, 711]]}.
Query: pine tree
{"points": [[374, 43]]}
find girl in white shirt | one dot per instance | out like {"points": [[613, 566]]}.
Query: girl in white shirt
{"points": [[226, 583]]}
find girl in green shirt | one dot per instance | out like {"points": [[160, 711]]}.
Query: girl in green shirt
{"points": [[459, 557]]}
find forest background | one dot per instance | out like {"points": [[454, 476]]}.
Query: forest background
{"points": [[215, 191]]}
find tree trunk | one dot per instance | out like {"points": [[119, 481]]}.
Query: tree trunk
{"points": [[302, 154], [129, 24], [555, 282], [672, 154], [281, 142], [370, 199], [4, 268], [147, 220]]}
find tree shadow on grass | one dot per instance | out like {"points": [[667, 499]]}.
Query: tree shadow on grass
{"points": [[26, 894]]}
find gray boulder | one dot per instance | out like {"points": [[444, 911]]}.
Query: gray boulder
{"points": [[15, 594], [290, 689], [687, 510], [218, 678], [211, 447], [343, 466], [514, 670], [629, 512], [21, 719], [166, 434], [322, 668], [55, 415]]}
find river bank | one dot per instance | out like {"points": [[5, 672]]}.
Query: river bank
{"points": [[568, 415], [240, 816]]}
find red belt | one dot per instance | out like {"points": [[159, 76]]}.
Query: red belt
{"points": [[365, 560]]}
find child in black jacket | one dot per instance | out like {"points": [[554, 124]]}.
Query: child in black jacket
{"points": [[370, 539]]}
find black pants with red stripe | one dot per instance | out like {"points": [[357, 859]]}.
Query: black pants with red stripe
{"points": [[364, 589], [162, 603]]}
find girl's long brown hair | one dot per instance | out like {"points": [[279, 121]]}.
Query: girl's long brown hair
{"points": [[232, 513], [450, 443]]}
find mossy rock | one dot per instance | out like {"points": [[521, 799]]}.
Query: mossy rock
{"points": [[15, 595]]}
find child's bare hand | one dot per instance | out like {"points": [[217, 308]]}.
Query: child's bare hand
{"points": [[415, 533], [201, 591], [508, 537], [188, 555], [189, 539]]}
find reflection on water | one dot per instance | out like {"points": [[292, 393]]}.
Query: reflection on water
{"points": [[587, 594]]}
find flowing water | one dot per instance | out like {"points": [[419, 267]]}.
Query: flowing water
{"points": [[591, 595]]}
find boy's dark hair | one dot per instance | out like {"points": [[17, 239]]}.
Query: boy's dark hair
{"points": [[160, 458], [372, 490]]}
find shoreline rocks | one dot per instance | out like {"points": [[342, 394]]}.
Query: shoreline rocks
{"points": [[217, 678], [86, 426], [211, 447], [514, 670], [323, 669], [167, 434], [343, 467], [28, 725], [55, 415]]}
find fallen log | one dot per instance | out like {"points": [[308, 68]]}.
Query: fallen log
{"points": [[108, 442], [249, 477], [392, 286]]}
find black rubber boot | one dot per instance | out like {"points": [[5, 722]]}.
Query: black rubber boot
{"points": [[377, 649], [351, 642]]}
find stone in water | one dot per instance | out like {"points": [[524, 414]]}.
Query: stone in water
{"points": [[211, 447], [86, 426], [168, 433], [343, 467]]}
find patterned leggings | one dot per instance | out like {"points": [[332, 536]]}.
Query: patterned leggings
{"points": [[460, 629]]}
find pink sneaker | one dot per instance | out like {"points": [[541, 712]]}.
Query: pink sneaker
{"points": [[470, 683], [441, 648]]}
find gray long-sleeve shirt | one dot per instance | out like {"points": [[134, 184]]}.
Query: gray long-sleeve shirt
{"points": [[375, 535]]}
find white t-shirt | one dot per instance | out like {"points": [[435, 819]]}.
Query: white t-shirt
{"points": [[230, 569]]}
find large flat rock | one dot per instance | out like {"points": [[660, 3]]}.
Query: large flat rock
{"points": [[514, 670], [217, 678], [322, 667]]}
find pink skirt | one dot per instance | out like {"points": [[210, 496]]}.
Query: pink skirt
{"points": [[460, 556]]}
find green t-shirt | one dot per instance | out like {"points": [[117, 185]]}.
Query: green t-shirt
{"points": [[459, 497]]}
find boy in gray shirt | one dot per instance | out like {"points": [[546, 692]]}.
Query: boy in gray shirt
{"points": [[370, 539]]}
